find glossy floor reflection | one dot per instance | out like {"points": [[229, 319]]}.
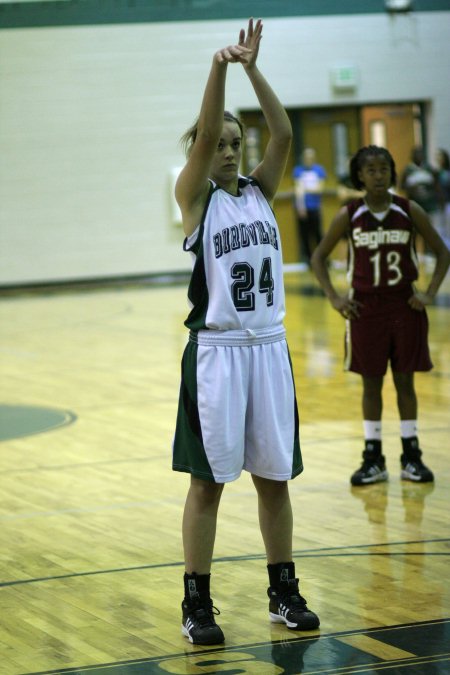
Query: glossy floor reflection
{"points": [[374, 651], [90, 512]]}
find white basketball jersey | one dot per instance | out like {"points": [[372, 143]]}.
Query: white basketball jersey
{"points": [[237, 280]]}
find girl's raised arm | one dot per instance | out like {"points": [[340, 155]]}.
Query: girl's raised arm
{"points": [[271, 169], [192, 187]]}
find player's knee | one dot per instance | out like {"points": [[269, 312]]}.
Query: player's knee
{"points": [[404, 383], [206, 492]]}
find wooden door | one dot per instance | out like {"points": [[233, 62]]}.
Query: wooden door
{"points": [[395, 127]]}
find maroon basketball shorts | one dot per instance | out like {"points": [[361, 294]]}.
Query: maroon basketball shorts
{"points": [[387, 331]]}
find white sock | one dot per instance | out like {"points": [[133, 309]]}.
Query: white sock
{"points": [[372, 430], [408, 428]]}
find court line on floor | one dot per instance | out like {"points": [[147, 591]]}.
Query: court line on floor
{"points": [[341, 551], [199, 653], [152, 458]]}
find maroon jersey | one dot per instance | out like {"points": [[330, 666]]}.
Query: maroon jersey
{"points": [[382, 254]]}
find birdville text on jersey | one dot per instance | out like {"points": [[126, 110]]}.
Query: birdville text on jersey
{"points": [[243, 235]]}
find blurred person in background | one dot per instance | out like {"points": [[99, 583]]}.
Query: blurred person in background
{"points": [[309, 181], [443, 175], [419, 182]]}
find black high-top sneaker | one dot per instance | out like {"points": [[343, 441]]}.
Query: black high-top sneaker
{"points": [[199, 625], [372, 470], [287, 606], [414, 469]]}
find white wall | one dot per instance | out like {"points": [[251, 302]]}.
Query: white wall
{"points": [[90, 119]]}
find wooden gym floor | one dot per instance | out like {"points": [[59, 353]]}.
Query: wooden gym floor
{"points": [[90, 511]]}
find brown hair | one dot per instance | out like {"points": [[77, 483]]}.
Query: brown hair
{"points": [[188, 138]]}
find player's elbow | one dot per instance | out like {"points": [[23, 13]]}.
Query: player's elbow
{"points": [[285, 135], [318, 259]]}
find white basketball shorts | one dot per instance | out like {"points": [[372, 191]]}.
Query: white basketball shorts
{"points": [[237, 408]]}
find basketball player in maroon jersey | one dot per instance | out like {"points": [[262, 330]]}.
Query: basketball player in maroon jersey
{"points": [[386, 319]]}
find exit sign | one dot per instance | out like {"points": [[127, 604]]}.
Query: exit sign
{"points": [[344, 77]]}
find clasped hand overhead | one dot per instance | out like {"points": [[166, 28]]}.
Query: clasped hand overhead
{"points": [[246, 51]]}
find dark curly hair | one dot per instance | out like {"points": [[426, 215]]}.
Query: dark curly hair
{"points": [[357, 162], [188, 138]]}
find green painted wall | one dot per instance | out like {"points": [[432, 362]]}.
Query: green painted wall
{"points": [[92, 12]]}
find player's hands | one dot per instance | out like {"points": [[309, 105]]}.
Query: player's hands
{"points": [[232, 54], [251, 40], [346, 307], [419, 301], [246, 51]]}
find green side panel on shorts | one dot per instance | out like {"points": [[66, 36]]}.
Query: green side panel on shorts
{"points": [[297, 461], [188, 451]]}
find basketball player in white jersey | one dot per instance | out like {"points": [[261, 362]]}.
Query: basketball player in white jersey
{"points": [[237, 407]]}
